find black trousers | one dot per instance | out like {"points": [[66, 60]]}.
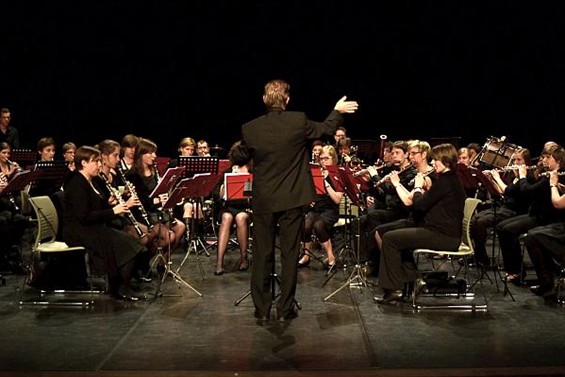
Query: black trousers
{"points": [[480, 224], [509, 232], [397, 265], [546, 245], [291, 227]]}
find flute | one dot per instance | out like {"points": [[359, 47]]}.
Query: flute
{"points": [[411, 183]]}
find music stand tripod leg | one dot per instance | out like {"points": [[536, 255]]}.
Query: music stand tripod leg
{"points": [[274, 294]]}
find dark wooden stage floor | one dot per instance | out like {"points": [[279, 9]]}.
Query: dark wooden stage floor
{"points": [[181, 334]]}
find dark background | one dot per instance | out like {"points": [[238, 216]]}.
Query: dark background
{"points": [[84, 71]]}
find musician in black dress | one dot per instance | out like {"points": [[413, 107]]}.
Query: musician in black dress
{"points": [[86, 217], [168, 231], [324, 212], [234, 211], [442, 211]]}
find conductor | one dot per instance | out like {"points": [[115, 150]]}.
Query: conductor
{"points": [[278, 144]]}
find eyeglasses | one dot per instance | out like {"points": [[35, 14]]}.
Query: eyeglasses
{"points": [[414, 153], [325, 158]]}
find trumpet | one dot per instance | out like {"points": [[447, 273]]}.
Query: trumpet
{"points": [[116, 194], [132, 191]]}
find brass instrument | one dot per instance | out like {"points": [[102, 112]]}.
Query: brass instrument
{"points": [[116, 194], [131, 189]]}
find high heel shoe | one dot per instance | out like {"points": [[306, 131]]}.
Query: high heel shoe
{"points": [[390, 297], [302, 263], [243, 263]]}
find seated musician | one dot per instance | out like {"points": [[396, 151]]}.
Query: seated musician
{"points": [[418, 152], [234, 211], [128, 145], [316, 150], [515, 203], [387, 204], [546, 246], [324, 212], [202, 148], [187, 147], [167, 231], [86, 216], [442, 210], [541, 212], [12, 224], [69, 150]]}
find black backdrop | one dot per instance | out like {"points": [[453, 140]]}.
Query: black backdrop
{"points": [[83, 71]]}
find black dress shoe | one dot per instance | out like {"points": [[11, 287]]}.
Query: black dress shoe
{"points": [[390, 297], [219, 273], [262, 318], [542, 289], [288, 316], [126, 293]]}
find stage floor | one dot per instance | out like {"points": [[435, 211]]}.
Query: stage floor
{"points": [[182, 334]]}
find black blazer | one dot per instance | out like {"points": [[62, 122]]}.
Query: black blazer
{"points": [[279, 146]]}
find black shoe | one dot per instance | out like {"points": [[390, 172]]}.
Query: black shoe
{"points": [[126, 293], [243, 264], [288, 316], [261, 318], [542, 289], [390, 297], [219, 273]]}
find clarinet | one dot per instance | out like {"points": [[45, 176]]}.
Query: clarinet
{"points": [[169, 210], [132, 191], [116, 194], [4, 179]]}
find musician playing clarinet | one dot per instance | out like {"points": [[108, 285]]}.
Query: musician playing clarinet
{"points": [[86, 218]]}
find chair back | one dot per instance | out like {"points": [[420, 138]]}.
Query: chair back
{"points": [[468, 211], [47, 219]]}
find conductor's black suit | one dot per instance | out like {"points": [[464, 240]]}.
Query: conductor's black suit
{"points": [[282, 186]]}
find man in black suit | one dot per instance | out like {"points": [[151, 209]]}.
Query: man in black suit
{"points": [[282, 186]]}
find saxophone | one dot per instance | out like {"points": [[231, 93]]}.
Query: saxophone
{"points": [[116, 194], [131, 189]]}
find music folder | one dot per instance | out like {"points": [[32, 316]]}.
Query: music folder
{"points": [[167, 182], [237, 186], [318, 178]]}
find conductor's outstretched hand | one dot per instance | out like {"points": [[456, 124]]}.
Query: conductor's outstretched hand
{"points": [[344, 106]]}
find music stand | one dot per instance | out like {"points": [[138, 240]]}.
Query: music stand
{"points": [[24, 157], [236, 186], [18, 183], [169, 204], [199, 186], [167, 182], [162, 163], [51, 178], [357, 275], [196, 165]]}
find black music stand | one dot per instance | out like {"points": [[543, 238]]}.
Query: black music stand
{"points": [[51, 178], [24, 157], [169, 204], [199, 186], [17, 184], [196, 165], [357, 277]]}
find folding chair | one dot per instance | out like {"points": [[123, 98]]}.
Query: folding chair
{"points": [[45, 245], [464, 251]]}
